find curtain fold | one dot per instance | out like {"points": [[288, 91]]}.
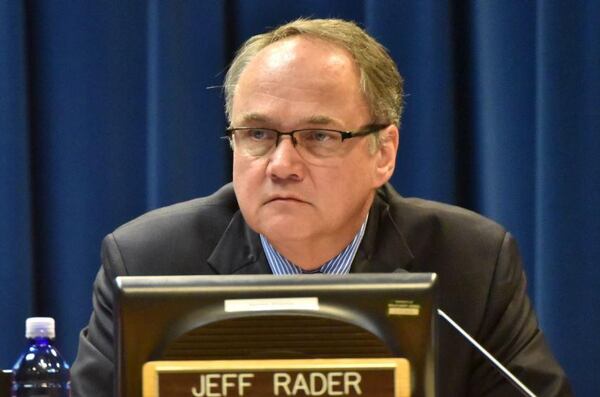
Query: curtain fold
{"points": [[17, 288], [420, 37], [86, 123], [502, 102], [111, 109], [184, 106], [568, 185]]}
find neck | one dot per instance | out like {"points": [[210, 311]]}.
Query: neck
{"points": [[309, 257]]}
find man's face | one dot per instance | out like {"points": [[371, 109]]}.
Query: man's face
{"points": [[299, 83]]}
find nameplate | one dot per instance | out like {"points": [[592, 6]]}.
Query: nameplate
{"points": [[281, 378]]}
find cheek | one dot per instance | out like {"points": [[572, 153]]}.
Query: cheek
{"points": [[240, 179], [247, 177], [244, 168], [334, 190], [354, 175], [348, 187]]}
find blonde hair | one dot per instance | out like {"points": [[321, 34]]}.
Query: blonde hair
{"points": [[380, 81]]}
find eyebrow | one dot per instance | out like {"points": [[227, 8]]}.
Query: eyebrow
{"points": [[318, 119], [254, 117]]}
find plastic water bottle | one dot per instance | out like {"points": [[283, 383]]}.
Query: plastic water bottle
{"points": [[6, 376], [41, 371]]}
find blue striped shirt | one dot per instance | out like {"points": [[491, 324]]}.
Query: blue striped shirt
{"points": [[340, 264]]}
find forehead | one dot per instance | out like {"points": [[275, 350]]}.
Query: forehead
{"points": [[304, 50], [299, 73]]}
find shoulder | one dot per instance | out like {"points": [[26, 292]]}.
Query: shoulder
{"points": [[471, 254], [208, 212], [419, 218], [467, 250], [176, 239]]}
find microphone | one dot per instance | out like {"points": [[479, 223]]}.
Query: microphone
{"points": [[507, 374], [503, 370]]}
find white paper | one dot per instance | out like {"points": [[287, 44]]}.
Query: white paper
{"points": [[271, 304]]}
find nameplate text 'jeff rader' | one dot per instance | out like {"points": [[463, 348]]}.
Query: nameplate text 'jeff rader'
{"points": [[281, 378]]}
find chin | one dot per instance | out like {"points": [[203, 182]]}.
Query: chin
{"points": [[282, 230]]}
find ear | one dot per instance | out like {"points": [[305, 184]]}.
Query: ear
{"points": [[385, 156]]}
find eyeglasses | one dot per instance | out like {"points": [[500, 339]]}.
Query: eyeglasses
{"points": [[311, 143]]}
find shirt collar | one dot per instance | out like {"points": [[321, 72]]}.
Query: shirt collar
{"points": [[340, 264]]}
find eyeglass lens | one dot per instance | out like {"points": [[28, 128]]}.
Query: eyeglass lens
{"points": [[309, 142]]}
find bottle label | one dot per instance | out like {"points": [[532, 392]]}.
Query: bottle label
{"points": [[42, 392]]}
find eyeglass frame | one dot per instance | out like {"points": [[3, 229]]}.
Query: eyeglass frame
{"points": [[370, 129]]}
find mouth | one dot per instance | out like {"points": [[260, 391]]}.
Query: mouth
{"points": [[285, 199]]}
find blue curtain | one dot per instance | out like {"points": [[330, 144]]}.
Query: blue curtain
{"points": [[109, 109]]}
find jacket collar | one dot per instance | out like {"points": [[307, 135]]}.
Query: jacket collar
{"points": [[382, 250], [239, 250]]}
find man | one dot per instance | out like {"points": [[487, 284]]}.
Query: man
{"points": [[314, 109]]}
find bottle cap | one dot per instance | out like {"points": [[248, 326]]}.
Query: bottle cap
{"points": [[39, 327]]}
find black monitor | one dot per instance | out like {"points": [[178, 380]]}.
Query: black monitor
{"points": [[255, 317]]}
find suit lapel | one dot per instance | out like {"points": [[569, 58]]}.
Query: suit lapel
{"points": [[383, 248], [239, 250]]}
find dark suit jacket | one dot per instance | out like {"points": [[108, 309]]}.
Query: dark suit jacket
{"points": [[482, 285]]}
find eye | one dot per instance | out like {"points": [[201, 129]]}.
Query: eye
{"points": [[320, 136], [259, 134]]}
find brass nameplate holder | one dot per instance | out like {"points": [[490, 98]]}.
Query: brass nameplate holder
{"points": [[282, 378]]}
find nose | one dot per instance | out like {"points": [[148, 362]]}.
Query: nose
{"points": [[285, 162]]}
